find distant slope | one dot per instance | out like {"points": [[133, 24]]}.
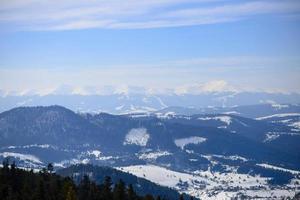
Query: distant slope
{"points": [[210, 144], [249, 111], [139, 101], [124, 139]]}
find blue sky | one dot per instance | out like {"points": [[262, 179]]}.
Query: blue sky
{"points": [[161, 45]]}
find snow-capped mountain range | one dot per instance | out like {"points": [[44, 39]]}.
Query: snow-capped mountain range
{"points": [[229, 152], [123, 103]]}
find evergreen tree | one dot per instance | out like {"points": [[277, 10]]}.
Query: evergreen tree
{"points": [[181, 197], [18, 184], [119, 191], [106, 191], [50, 168], [131, 193], [148, 197], [71, 195], [84, 188]]}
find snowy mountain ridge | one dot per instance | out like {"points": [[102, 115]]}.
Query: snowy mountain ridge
{"points": [[211, 156]]}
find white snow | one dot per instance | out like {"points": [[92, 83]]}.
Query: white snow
{"points": [[96, 153], [74, 161], [43, 146], [24, 157], [166, 115], [285, 121], [278, 168], [202, 184], [279, 106], [106, 158], [153, 155], [157, 174], [295, 125], [182, 142], [137, 136], [161, 102], [225, 119], [233, 157], [231, 113], [120, 107], [271, 136], [279, 116]]}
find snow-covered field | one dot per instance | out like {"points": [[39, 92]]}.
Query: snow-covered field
{"points": [[211, 185]]}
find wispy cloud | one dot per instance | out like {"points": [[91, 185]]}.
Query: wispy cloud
{"points": [[134, 14]]}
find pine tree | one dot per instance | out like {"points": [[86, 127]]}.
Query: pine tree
{"points": [[148, 197], [84, 188], [18, 184], [50, 168], [119, 191], [131, 193], [71, 195], [181, 197], [40, 191], [106, 191]]}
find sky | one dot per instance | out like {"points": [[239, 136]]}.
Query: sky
{"points": [[154, 46]]}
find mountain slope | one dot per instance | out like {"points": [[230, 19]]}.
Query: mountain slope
{"points": [[211, 143], [98, 174]]}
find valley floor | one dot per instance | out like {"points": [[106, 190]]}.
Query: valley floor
{"points": [[220, 186]]}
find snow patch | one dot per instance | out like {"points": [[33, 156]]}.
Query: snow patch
{"points": [[153, 155], [167, 115], [43, 146], [271, 136], [295, 125], [279, 106], [96, 153], [23, 157], [278, 168], [279, 116], [120, 107], [190, 140], [231, 113], [225, 119], [201, 184], [137, 136], [233, 157]]}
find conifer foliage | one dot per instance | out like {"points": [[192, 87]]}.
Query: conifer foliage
{"points": [[23, 184]]}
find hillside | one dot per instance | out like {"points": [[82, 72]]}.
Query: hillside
{"points": [[17, 183], [203, 152]]}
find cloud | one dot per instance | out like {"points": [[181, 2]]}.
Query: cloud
{"points": [[134, 14]]}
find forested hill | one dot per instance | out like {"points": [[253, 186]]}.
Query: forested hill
{"points": [[22, 184], [98, 174]]}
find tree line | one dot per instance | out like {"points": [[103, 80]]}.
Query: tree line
{"points": [[21, 184]]}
